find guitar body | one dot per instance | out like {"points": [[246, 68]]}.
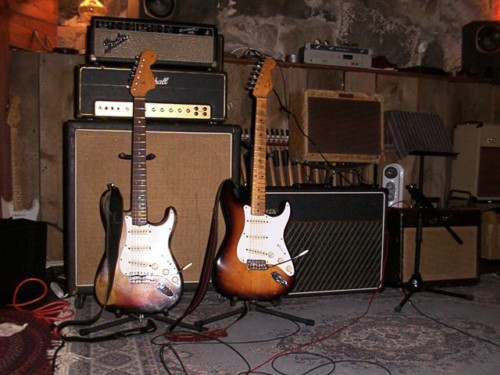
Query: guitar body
{"points": [[8, 211], [146, 277], [253, 262]]}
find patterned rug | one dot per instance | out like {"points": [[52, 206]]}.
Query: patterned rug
{"points": [[25, 352], [353, 334]]}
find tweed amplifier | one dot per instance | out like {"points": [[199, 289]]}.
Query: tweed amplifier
{"points": [[343, 229], [121, 40], [183, 95], [442, 260], [337, 125]]}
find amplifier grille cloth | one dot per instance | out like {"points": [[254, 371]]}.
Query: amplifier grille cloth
{"points": [[181, 48], [344, 254]]}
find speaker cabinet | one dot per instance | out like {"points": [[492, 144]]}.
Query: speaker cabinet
{"points": [[481, 49], [160, 10], [393, 181], [476, 168], [442, 260], [336, 125], [23, 256], [190, 163], [343, 229]]}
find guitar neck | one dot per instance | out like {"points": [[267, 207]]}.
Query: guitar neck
{"points": [[139, 157], [258, 192], [17, 191]]}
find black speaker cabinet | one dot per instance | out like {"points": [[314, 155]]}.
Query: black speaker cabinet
{"points": [[191, 160], [160, 10], [343, 229], [23, 256], [481, 49], [340, 126], [443, 260]]}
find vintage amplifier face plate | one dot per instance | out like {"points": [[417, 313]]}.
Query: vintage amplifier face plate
{"points": [[183, 95], [121, 40]]}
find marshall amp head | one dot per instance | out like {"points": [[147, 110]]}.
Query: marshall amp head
{"points": [[181, 95], [121, 40]]}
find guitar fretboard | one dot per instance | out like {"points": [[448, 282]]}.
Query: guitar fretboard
{"points": [[139, 158]]}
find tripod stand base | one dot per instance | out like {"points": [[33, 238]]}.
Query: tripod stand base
{"points": [[149, 327], [253, 306], [416, 284]]}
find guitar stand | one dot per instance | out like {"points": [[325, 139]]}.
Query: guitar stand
{"points": [[149, 327], [254, 306], [416, 284]]}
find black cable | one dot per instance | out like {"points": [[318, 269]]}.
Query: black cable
{"points": [[488, 341]]}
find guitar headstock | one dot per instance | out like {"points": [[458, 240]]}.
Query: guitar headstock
{"points": [[14, 114], [263, 85], [143, 79]]}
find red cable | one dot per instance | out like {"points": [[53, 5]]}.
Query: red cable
{"points": [[50, 312], [323, 338]]}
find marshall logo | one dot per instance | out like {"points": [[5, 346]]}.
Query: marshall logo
{"points": [[110, 44], [162, 81]]}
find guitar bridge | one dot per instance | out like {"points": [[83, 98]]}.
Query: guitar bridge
{"points": [[257, 265]]}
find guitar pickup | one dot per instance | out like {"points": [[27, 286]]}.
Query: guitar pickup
{"points": [[154, 110]]}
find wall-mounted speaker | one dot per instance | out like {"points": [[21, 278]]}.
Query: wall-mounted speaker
{"points": [[151, 9], [191, 160], [336, 125], [476, 168], [393, 181], [442, 259], [481, 49], [343, 229]]}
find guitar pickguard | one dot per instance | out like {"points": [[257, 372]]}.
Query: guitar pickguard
{"points": [[146, 258], [262, 244]]}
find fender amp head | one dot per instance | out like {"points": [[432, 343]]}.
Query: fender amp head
{"points": [[121, 40]]}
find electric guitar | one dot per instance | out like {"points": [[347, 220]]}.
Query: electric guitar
{"points": [[253, 262], [15, 208], [147, 278]]}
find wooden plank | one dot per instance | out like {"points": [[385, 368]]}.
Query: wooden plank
{"points": [[472, 102], [360, 82], [321, 79], [495, 101], [31, 33], [5, 172], [23, 83], [33, 24], [44, 10], [399, 92], [56, 107], [239, 102]]}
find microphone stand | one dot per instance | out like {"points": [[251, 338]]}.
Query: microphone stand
{"points": [[416, 283]]}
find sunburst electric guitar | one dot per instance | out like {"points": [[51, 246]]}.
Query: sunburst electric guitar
{"points": [[253, 262], [146, 278], [15, 209]]}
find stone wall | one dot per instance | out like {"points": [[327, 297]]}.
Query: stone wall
{"points": [[406, 32]]}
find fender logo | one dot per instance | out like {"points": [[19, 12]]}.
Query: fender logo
{"points": [[110, 44]]}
